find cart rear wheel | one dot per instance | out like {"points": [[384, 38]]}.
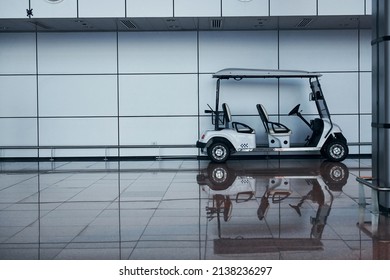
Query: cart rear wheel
{"points": [[336, 150], [218, 152]]}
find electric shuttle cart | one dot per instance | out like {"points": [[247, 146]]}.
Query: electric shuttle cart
{"points": [[229, 137]]}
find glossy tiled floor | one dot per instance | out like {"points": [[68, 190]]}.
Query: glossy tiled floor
{"points": [[255, 209]]}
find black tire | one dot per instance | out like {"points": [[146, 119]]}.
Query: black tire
{"points": [[336, 150], [218, 152], [220, 176], [335, 175]]}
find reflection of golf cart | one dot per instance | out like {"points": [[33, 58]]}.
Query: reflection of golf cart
{"points": [[229, 137], [258, 189]]}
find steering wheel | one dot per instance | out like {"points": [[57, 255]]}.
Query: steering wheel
{"points": [[295, 110]]}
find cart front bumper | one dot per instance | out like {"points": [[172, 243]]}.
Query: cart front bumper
{"points": [[201, 145]]}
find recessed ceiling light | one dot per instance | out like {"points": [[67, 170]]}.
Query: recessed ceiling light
{"points": [[54, 1]]}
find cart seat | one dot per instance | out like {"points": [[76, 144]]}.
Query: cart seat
{"points": [[227, 115], [278, 134], [239, 127]]}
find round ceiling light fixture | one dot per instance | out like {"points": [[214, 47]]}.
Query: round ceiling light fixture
{"points": [[54, 1]]}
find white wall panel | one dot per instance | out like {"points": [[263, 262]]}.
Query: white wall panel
{"points": [[245, 8], [243, 49], [199, 8], [341, 86], [204, 124], [81, 95], [365, 129], [103, 152], [368, 7], [353, 150], [149, 8], [158, 131], [349, 125], [206, 93], [158, 152], [17, 53], [150, 95], [365, 150], [365, 93], [13, 9], [158, 52], [241, 96], [159, 96], [93, 8], [51, 9], [365, 50], [77, 53], [18, 132], [78, 131], [290, 8], [18, 96], [337, 7], [294, 92], [17, 153], [319, 50]]}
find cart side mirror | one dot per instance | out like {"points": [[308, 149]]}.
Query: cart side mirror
{"points": [[315, 95], [316, 92], [311, 96]]}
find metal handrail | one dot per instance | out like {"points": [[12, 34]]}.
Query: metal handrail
{"points": [[365, 181]]}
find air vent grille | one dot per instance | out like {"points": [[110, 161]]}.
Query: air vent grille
{"points": [[304, 22], [129, 24], [216, 24]]}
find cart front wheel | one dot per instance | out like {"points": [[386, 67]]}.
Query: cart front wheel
{"points": [[336, 150], [218, 152]]}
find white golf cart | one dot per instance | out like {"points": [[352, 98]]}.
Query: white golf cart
{"points": [[229, 137]]}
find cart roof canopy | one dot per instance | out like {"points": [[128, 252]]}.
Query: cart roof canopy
{"points": [[239, 73]]}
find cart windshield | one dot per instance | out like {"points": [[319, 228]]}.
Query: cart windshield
{"points": [[317, 96]]}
